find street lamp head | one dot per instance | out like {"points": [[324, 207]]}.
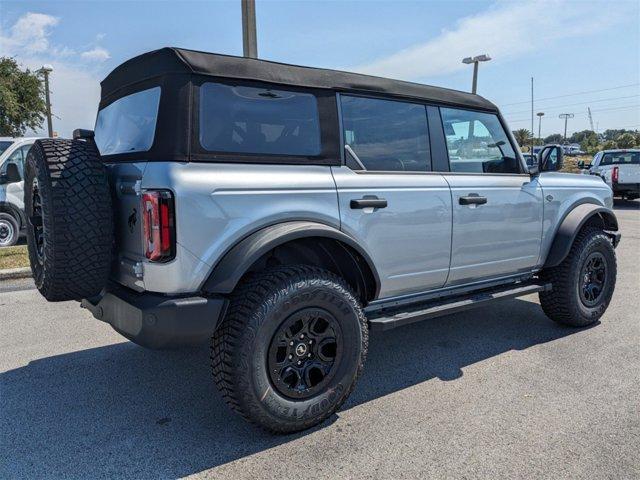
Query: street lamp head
{"points": [[482, 58], [540, 114], [46, 68], [477, 58]]}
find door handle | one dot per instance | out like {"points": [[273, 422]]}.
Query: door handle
{"points": [[368, 202], [472, 199]]}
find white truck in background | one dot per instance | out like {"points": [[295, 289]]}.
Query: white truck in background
{"points": [[620, 169]]}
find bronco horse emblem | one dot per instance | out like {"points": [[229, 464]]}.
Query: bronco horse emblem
{"points": [[133, 219]]}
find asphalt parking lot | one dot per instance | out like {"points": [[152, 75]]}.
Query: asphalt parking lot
{"points": [[497, 392]]}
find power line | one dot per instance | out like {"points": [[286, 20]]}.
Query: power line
{"points": [[573, 94], [578, 103], [583, 113]]}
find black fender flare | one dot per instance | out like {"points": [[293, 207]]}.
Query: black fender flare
{"points": [[571, 225], [236, 262]]}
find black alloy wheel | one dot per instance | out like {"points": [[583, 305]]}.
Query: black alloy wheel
{"points": [[304, 351]]}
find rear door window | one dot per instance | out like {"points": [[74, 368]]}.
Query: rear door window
{"points": [[386, 135], [258, 120], [128, 125]]}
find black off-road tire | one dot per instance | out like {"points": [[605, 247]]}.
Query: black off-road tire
{"points": [[259, 308], [563, 304], [9, 230], [70, 226]]}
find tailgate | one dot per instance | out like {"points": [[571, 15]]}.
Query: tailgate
{"points": [[628, 173], [125, 180]]}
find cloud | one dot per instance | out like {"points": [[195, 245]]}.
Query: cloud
{"points": [[504, 31], [30, 33], [97, 54], [74, 82]]}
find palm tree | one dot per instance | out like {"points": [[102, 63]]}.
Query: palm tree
{"points": [[523, 136]]}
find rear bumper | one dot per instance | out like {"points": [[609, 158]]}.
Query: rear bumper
{"points": [[626, 188], [157, 321]]}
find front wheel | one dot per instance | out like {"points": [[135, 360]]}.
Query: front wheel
{"points": [[290, 348], [583, 283]]}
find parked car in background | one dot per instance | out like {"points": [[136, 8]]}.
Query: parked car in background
{"points": [[531, 159], [572, 149], [13, 152], [620, 169]]}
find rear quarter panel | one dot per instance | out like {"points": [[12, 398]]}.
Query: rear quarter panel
{"points": [[219, 204]]}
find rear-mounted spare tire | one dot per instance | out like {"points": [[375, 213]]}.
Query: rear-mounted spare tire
{"points": [[70, 218]]}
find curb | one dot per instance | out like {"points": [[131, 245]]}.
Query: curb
{"points": [[14, 273]]}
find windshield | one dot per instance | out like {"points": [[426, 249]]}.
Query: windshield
{"points": [[4, 144], [128, 124], [621, 158]]}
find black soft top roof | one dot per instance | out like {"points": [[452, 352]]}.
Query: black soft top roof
{"points": [[171, 61]]}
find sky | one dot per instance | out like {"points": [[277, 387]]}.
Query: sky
{"points": [[580, 53]]}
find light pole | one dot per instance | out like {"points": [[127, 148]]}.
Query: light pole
{"points": [[540, 115], [249, 36], [566, 117], [475, 60], [46, 70]]}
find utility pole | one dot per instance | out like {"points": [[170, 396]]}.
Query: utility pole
{"points": [[533, 141], [46, 70], [540, 115], [590, 119], [475, 60], [249, 36], [566, 117]]}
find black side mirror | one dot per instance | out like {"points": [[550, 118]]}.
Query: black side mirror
{"points": [[13, 174], [550, 158]]}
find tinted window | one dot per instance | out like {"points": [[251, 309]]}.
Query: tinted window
{"points": [[386, 135], [621, 158], [4, 145], [18, 157], [128, 124], [240, 119], [477, 143]]}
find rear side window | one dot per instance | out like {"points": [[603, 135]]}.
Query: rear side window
{"points": [[128, 124], [621, 158], [477, 142], [386, 135], [251, 120]]}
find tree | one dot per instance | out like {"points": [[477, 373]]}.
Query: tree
{"points": [[523, 136], [22, 104], [626, 140], [555, 138]]}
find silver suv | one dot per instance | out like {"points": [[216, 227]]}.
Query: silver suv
{"points": [[282, 211]]}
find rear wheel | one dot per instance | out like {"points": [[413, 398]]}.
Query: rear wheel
{"points": [[583, 283], [290, 348], [9, 230]]}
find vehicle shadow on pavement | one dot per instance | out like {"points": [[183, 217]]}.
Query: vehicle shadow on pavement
{"points": [[121, 410], [626, 205]]}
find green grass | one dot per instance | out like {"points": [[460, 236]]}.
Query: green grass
{"points": [[14, 257]]}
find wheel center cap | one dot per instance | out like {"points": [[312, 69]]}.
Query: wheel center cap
{"points": [[301, 349]]}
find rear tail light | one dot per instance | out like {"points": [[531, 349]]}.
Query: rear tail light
{"points": [[614, 175], [158, 225]]}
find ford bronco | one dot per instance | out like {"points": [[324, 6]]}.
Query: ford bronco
{"points": [[281, 212]]}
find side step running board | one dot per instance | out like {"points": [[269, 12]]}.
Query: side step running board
{"points": [[452, 305]]}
